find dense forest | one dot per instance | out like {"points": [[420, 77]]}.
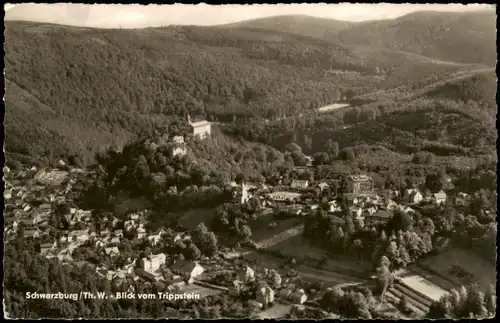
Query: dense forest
{"points": [[462, 37], [450, 36], [78, 91]]}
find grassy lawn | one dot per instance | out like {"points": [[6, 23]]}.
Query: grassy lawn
{"points": [[480, 271], [261, 230]]}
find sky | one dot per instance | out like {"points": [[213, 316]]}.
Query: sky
{"points": [[140, 16]]}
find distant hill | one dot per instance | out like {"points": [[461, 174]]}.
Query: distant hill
{"points": [[321, 28], [458, 37], [78, 90]]}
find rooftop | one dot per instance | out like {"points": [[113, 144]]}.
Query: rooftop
{"points": [[359, 177]]}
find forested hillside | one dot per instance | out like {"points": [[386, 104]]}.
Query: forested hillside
{"points": [[468, 37], [457, 37], [321, 28], [78, 90]]}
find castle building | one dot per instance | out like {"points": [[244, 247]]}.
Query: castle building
{"points": [[201, 129], [359, 184]]}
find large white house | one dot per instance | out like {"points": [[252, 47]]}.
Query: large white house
{"points": [[201, 129]]}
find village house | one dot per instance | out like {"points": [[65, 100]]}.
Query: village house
{"points": [[388, 204], [299, 297], [187, 268], [118, 233], [379, 217], [152, 263], [359, 184], [246, 274], [179, 146], [46, 247], [334, 207], [112, 251], [78, 235], [414, 196], [115, 240], [178, 282], [154, 239], [299, 184], [439, 198], [201, 129], [264, 295], [356, 211], [236, 287], [141, 233], [323, 186], [284, 197]]}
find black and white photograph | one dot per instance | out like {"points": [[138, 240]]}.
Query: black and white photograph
{"points": [[301, 161]]}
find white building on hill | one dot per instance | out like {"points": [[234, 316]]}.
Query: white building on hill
{"points": [[201, 129]]}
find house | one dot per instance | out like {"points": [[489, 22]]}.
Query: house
{"points": [[179, 146], [46, 247], [389, 205], [78, 235], [112, 251], [236, 287], [264, 295], [178, 282], [370, 210], [379, 217], [284, 196], [414, 196], [152, 263], [246, 274], [141, 233], [201, 129], [334, 207], [323, 186], [154, 239], [299, 184], [115, 240], [439, 198], [118, 233], [299, 297], [99, 243], [355, 211], [30, 223], [359, 184], [187, 268], [134, 216]]}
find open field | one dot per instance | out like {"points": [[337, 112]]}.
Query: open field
{"points": [[275, 312], [261, 230], [462, 267], [297, 246], [329, 278]]}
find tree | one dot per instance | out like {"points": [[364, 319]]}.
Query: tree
{"points": [[433, 183], [245, 232], [192, 252], [211, 245]]}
